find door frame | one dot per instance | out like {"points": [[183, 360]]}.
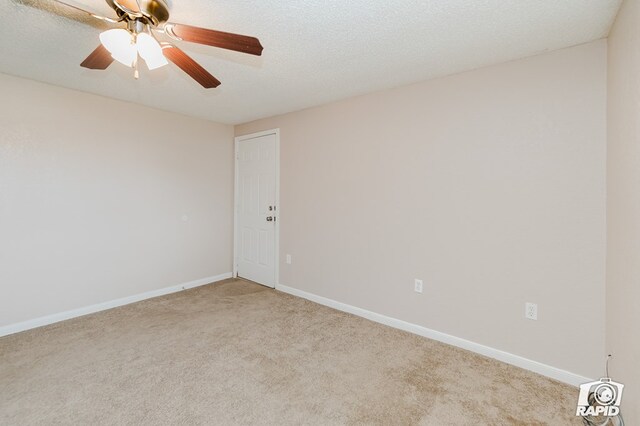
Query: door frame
{"points": [[237, 140]]}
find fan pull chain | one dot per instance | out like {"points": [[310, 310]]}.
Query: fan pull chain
{"points": [[136, 74]]}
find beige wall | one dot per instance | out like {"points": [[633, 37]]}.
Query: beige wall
{"points": [[92, 197], [488, 185], [623, 207]]}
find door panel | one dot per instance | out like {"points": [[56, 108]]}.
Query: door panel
{"points": [[256, 162]]}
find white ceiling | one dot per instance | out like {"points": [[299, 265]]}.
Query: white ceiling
{"points": [[316, 51]]}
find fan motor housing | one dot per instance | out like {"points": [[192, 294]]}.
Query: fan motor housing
{"points": [[156, 11]]}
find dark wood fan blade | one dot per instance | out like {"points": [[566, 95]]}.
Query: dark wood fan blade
{"points": [[189, 66], [99, 59], [70, 11], [239, 43]]}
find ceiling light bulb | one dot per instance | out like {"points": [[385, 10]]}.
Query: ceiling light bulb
{"points": [[119, 42], [150, 50]]}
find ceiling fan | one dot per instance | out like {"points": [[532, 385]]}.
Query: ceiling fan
{"points": [[133, 35]]}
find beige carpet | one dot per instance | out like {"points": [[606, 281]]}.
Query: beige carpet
{"points": [[236, 353]]}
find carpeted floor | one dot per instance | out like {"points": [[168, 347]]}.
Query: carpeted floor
{"points": [[236, 353]]}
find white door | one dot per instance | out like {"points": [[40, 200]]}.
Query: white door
{"points": [[256, 211]]}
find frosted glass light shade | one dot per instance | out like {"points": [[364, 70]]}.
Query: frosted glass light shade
{"points": [[119, 42], [150, 50]]}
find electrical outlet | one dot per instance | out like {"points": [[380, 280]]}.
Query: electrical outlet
{"points": [[531, 311], [288, 259], [418, 286]]}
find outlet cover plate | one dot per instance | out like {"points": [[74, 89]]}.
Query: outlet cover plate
{"points": [[531, 311]]}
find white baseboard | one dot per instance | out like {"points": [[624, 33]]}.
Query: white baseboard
{"points": [[50, 319], [518, 361]]}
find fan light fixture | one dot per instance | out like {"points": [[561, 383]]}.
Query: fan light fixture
{"points": [[150, 50], [135, 25], [125, 47]]}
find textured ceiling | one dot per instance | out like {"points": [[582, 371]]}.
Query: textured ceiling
{"points": [[316, 51]]}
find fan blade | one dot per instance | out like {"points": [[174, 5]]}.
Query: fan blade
{"points": [[99, 59], [239, 43], [189, 66], [70, 11]]}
